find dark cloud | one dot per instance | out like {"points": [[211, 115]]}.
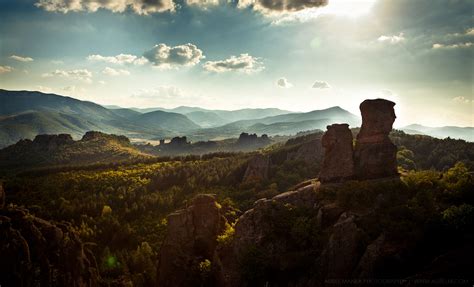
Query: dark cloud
{"points": [[142, 7], [278, 6], [283, 83]]}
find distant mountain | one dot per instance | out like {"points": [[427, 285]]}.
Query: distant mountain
{"points": [[165, 120], [206, 119], [25, 114], [62, 150], [285, 124], [465, 133]]}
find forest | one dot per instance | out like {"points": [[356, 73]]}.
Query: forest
{"points": [[120, 210]]}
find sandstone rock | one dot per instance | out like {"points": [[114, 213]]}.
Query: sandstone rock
{"points": [[338, 163], [191, 238], [257, 169], [375, 154], [342, 252], [367, 264], [52, 142], [256, 228], [36, 252]]}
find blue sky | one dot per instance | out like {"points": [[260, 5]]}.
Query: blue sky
{"points": [[297, 55]]}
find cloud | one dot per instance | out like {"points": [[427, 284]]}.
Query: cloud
{"points": [[79, 74], [470, 32], [462, 100], [57, 62], [21, 59], [141, 7], [270, 7], [119, 59], [321, 85], [243, 63], [203, 4], [452, 46], [164, 56], [5, 69], [394, 39], [115, 72], [283, 83], [161, 93]]}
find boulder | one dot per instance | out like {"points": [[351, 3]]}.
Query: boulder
{"points": [[375, 155], [338, 163], [191, 238]]}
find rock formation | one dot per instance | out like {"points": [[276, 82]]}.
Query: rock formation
{"points": [[375, 155], [191, 239], [51, 142], [338, 163], [36, 252], [257, 169]]}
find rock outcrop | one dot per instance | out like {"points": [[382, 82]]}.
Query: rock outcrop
{"points": [[257, 168], [338, 163], [36, 252], [191, 239], [52, 142], [375, 155]]}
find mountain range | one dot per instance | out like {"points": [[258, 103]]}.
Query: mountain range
{"points": [[25, 114]]}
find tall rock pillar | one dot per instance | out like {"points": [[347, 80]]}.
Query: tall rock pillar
{"points": [[338, 163], [375, 155]]}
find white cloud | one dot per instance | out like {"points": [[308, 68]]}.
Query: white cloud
{"points": [[321, 85], [141, 7], [394, 39], [78, 74], [452, 46], [470, 32], [21, 59], [119, 59], [5, 69], [166, 57], [243, 63], [57, 62], [162, 92], [270, 7], [115, 72], [462, 100], [203, 4], [101, 82], [283, 83]]}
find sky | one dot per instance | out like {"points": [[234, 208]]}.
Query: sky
{"points": [[297, 55]]}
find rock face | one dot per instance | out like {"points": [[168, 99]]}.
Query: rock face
{"points": [[338, 163], [375, 155], [342, 252], [51, 142], [36, 252], [191, 239], [257, 169]]}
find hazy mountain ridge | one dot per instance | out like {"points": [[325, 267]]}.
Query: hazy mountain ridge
{"points": [[465, 133], [25, 114]]}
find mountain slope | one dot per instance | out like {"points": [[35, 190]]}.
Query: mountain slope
{"points": [[165, 120], [465, 133]]}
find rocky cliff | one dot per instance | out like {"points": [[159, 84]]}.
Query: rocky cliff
{"points": [[36, 252]]}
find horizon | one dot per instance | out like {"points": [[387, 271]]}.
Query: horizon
{"points": [[236, 56]]}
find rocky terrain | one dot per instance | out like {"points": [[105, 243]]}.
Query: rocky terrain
{"points": [[319, 232], [36, 252]]}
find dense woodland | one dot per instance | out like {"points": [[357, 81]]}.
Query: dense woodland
{"points": [[120, 210]]}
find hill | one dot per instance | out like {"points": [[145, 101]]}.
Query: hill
{"points": [[465, 133], [62, 150], [24, 114], [165, 120]]}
